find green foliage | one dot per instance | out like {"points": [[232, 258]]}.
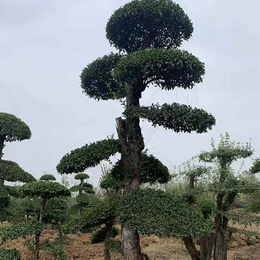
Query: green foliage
{"points": [[82, 199], [47, 177], [81, 176], [256, 166], [92, 217], [156, 212], [46, 190], [206, 204], [227, 152], [87, 156], [23, 230], [9, 254], [99, 236], [11, 171], [165, 68], [31, 206], [13, 128], [148, 24], [97, 78], [55, 248], [152, 171], [254, 202], [55, 211], [114, 246], [177, 117]]}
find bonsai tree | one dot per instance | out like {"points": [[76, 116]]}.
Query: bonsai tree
{"points": [[147, 34], [84, 190], [45, 190], [11, 129], [217, 200]]}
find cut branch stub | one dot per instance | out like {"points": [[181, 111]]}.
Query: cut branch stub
{"points": [[148, 24], [87, 156], [166, 68], [97, 79], [177, 117]]}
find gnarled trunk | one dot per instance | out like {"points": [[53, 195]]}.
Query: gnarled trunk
{"points": [[131, 140]]}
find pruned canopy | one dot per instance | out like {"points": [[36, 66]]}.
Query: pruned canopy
{"points": [[87, 156], [177, 117], [47, 177], [43, 189], [13, 128], [148, 24], [97, 79], [152, 211], [166, 68], [152, 171], [81, 176], [11, 171]]}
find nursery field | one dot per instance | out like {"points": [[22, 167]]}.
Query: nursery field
{"points": [[78, 247]]}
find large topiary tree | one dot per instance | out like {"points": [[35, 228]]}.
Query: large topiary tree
{"points": [[11, 129], [147, 34]]}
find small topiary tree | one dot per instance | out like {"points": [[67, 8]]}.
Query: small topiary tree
{"points": [[45, 190], [147, 34], [47, 177], [11, 129], [84, 189]]}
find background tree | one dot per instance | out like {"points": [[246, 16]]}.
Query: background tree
{"points": [[11, 129], [45, 190], [84, 189], [217, 197], [147, 34]]}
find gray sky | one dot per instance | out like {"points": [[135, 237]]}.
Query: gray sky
{"points": [[45, 45]]}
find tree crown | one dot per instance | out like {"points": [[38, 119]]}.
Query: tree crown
{"points": [[148, 24], [13, 128]]}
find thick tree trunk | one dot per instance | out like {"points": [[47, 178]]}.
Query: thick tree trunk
{"points": [[131, 244], [206, 247], [131, 140], [108, 227], [193, 252]]}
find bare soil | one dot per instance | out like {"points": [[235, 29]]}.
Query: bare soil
{"points": [[79, 248]]}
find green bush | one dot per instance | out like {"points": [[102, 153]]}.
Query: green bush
{"points": [[254, 202], [114, 246], [56, 248], [100, 235], [9, 254]]}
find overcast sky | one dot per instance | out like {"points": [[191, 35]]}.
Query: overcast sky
{"points": [[45, 45]]}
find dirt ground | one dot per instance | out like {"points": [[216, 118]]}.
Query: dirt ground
{"points": [[79, 248]]}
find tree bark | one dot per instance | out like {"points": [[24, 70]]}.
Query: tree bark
{"points": [[131, 244], [108, 228], [2, 139], [37, 245], [131, 140], [193, 252], [80, 192]]}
